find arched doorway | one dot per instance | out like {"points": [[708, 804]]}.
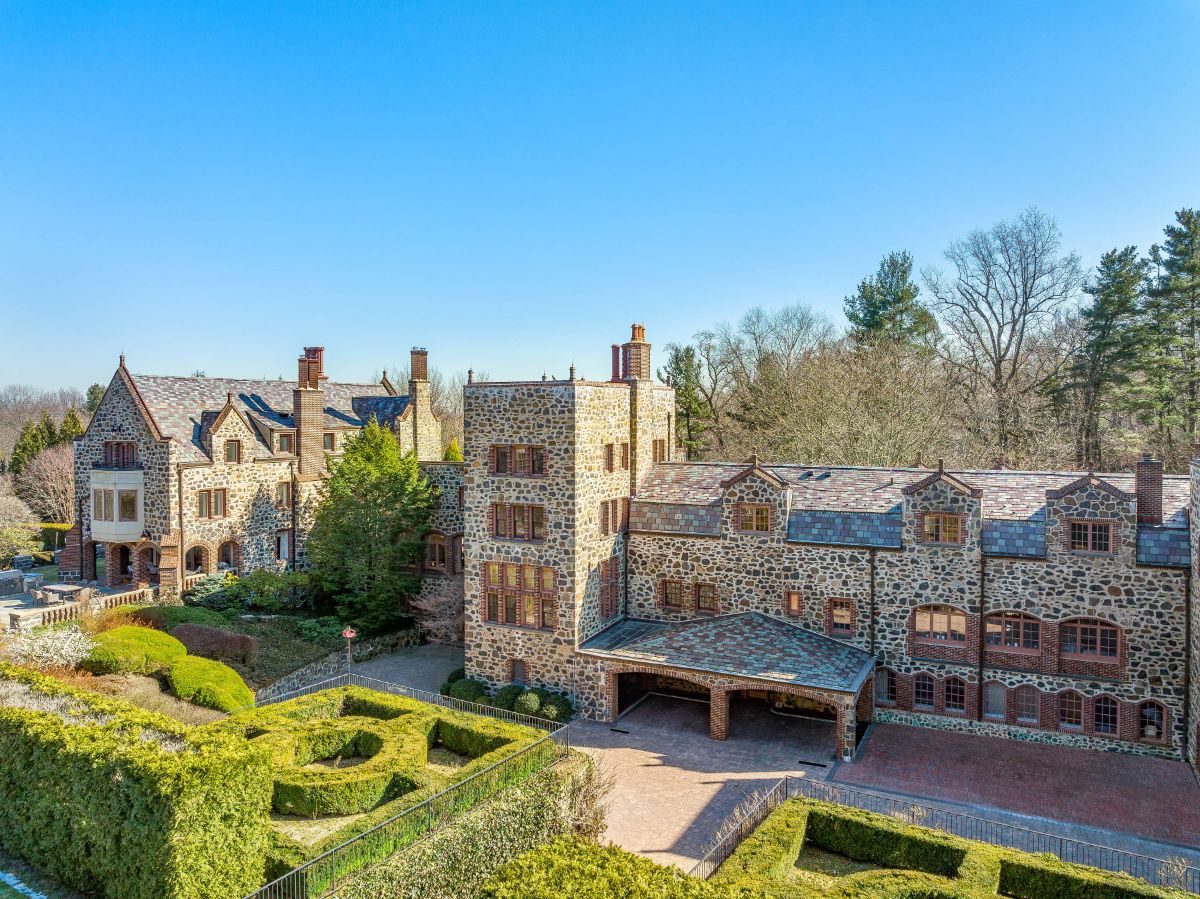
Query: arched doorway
{"points": [[91, 562], [146, 569], [808, 724], [195, 560], [229, 555], [124, 568]]}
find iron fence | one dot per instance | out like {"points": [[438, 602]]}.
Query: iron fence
{"points": [[447, 702], [1174, 872]]}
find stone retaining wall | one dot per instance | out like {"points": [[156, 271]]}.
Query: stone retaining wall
{"points": [[335, 663]]}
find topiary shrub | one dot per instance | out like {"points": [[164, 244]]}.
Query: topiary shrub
{"points": [[208, 683], [133, 650], [468, 690], [214, 643], [528, 703], [557, 708], [1040, 876], [506, 696], [451, 679], [166, 618]]}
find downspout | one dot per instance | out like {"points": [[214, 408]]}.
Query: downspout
{"points": [[982, 631], [871, 561], [180, 561], [293, 550]]}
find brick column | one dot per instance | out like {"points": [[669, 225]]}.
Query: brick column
{"points": [[170, 564], [140, 576], [718, 713], [866, 701], [112, 565]]}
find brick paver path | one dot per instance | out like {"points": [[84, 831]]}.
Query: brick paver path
{"points": [[420, 667], [1155, 799]]}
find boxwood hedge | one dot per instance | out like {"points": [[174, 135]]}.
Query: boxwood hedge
{"points": [[133, 650], [211, 684], [129, 804]]}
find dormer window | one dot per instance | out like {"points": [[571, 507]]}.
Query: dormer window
{"points": [[941, 528], [754, 518], [233, 452], [285, 443], [1090, 536]]}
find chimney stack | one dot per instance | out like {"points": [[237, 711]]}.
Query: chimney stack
{"points": [[616, 362], [1148, 485], [419, 364], [635, 355], [311, 368]]}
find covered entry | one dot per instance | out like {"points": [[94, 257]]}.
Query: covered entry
{"points": [[754, 671]]}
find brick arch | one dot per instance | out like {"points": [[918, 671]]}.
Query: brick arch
{"points": [[87, 560], [145, 555], [235, 560], [208, 556]]}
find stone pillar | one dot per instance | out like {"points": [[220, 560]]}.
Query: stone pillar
{"points": [[718, 713], [847, 722]]}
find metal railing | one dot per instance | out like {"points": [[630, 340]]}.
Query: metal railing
{"points": [[446, 702], [332, 868], [1173, 872]]}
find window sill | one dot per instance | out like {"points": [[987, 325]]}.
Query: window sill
{"points": [[922, 708], [525, 540], [939, 545], [933, 641], [513, 474], [519, 627]]}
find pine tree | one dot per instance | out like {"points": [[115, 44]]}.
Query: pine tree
{"points": [[886, 305], [71, 427], [692, 413], [1172, 321], [367, 537], [31, 441], [1111, 346], [95, 394], [452, 453]]}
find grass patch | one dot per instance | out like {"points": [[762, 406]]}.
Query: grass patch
{"points": [[282, 647], [820, 867], [442, 761], [310, 831]]}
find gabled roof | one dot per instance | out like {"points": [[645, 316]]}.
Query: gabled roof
{"points": [[743, 644], [943, 477], [176, 406], [753, 467], [1088, 480]]}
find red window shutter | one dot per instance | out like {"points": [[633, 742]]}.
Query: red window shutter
{"points": [[604, 517]]}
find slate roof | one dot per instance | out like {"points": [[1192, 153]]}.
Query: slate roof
{"points": [[1169, 547], [744, 644], [1006, 494], [1024, 539], [674, 518], [179, 406], [845, 528]]}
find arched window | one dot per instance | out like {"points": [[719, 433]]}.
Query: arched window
{"points": [[227, 555], [1104, 715], [994, 697], [1013, 631], [1070, 710], [1027, 705], [1089, 638], [885, 686], [939, 624], [435, 552], [195, 561], [923, 691], [1151, 722], [956, 694]]}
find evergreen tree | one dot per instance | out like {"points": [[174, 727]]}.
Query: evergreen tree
{"points": [[31, 441], [366, 542], [692, 412], [452, 453], [1170, 396], [95, 394], [71, 427], [886, 308], [1111, 346]]}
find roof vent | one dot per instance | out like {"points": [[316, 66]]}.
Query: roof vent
{"points": [[824, 476]]}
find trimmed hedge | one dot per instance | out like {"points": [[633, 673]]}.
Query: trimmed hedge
{"points": [[133, 650], [211, 684], [1046, 877], [867, 837], [167, 618], [136, 807]]}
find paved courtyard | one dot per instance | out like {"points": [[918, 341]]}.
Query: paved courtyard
{"points": [[674, 785], [1154, 799], [420, 667]]}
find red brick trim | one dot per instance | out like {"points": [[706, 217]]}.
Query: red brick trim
{"points": [[829, 628], [793, 603]]}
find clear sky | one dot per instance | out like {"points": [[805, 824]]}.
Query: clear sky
{"points": [[214, 185]]}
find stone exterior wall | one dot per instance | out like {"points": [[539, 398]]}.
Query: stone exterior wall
{"points": [[1193, 727]]}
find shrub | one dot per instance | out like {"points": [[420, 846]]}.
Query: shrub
{"points": [[468, 690], [557, 708], [64, 647], [107, 619], [208, 683], [506, 696], [324, 631], [1025, 876], [214, 643], [264, 589], [209, 592], [572, 867], [166, 618], [129, 804], [527, 703], [133, 650], [456, 675], [866, 837]]}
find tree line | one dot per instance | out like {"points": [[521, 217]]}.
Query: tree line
{"points": [[1009, 354]]}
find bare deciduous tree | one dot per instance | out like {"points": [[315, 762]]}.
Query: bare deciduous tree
{"points": [[48, 484], [997, 309]]}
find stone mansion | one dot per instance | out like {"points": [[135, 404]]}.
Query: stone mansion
{"points": [[1054, 607]]}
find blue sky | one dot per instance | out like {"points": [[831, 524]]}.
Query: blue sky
{"points": [[215, 185]]}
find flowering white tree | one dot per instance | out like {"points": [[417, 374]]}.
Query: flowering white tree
{"points": [[63, 647]]}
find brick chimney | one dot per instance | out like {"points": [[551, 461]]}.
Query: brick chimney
{"points": [[419, 364], [616, 362], [1148, 485], [308, 413], [635, 356]]}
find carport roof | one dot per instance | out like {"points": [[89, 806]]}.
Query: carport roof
{"points": [[743, 644]]}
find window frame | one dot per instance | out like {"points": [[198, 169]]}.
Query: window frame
{"points": [[503, 522], [666, 586], [700, 589], [610, 586], [104, 506], [1004, 622], [236, 446], [289, 438], [610, 464], [1019, 697], [989, 691], [283, 546], [329, 442], [518, 593], [437, 553], [793, 603], [532, 454], [760, 518], [1142, 708], [1089, 527], [942, 518], [1112, 716], [837, 603], [122, 495], [1072, 700], [625, 456], [1076, 626], [932, 611], [919, 681], [283, 501], [960, 687], [886, 678]]}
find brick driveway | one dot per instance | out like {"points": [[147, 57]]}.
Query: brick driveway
{"points": [[1155, 799], [674, 785]]}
